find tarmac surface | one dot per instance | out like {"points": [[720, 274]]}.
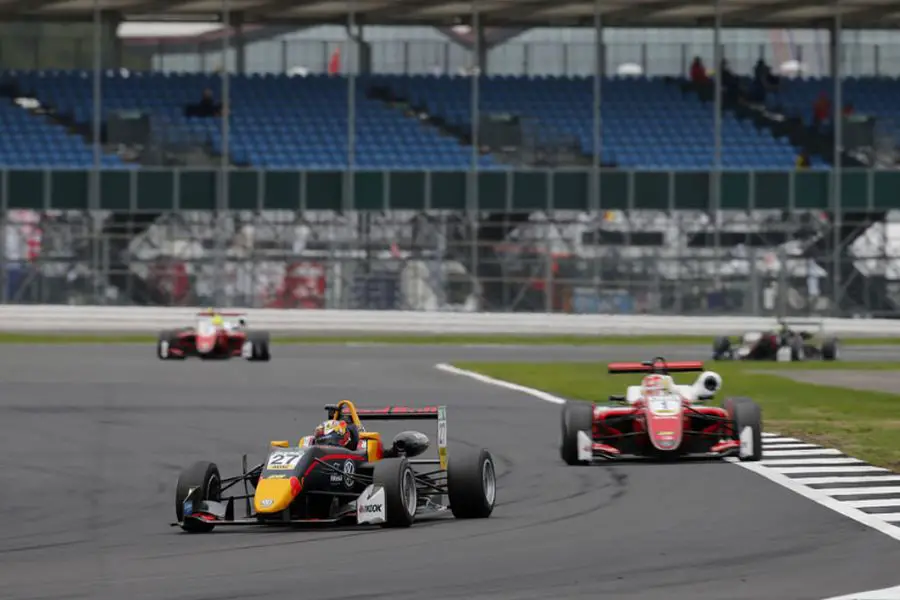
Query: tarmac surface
{"points": [[93, 439]]}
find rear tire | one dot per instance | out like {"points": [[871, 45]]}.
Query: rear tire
{"points": [[576, 416], [398, 479], [745, 413], [830, 349], [203, 475], [721, 348], [471, 483]]}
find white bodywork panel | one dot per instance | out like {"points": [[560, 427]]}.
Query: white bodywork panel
{"points": [[751, 338], [370, 507], [585, 446], [633, 393]]}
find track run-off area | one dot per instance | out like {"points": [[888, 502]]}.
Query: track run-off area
{"points": [[94, 436]]}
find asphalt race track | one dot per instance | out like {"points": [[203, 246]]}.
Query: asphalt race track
{"points": [[93, 439]]}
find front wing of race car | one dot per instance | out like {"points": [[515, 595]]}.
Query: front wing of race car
{"points": [[591, 451], [369, 508]]}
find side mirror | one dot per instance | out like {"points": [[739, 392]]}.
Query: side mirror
{"points": [[707, 385], [409, 444]]}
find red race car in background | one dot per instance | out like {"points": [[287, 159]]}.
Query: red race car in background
{"points": [[662, 419], [214, 337]]}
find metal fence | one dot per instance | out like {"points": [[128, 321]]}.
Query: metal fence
{"points": [[628, 262]]}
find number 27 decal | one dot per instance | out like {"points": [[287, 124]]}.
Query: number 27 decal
{"points": [[284, 460]]}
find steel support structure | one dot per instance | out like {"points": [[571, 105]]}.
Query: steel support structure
{"points": [[837, 56]]}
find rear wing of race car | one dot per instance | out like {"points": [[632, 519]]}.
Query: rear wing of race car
{"points": [[346, 410], [209, 313], [656, 366], [811, 323]]}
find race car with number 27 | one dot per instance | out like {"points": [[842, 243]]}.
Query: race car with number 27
{"points": [[356, 481], [661, 419]]}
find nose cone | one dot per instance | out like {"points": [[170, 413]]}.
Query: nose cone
{"points": [[274, 495], [205, 343]]}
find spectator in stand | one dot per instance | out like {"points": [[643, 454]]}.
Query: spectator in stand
{"points": [[848, 109], [821, 110], [803, 161], [207, 107], [698, 71], [763, 72], [763, 81]]}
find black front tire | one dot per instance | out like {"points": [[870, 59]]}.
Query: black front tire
{"points": [[398, 479], [471, 483], [166, 340], [830, 349], [576, 416], [744, 413], [203, 475], [259, 341]]}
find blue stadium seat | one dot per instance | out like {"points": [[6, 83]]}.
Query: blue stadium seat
{"points": [[868, 95], [300, 122], [646, 122]]}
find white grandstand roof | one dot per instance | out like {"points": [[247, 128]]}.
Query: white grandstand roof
{"points": [[548, 13]]}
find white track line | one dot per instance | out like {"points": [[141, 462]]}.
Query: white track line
{"points": [[882, 503], [861, 479], [862, 491], [892, 593], [770, 473], [791, 446], [500, 383], [769, 443], [890, 517], [799, 462], [792, 452], [837, 469]]}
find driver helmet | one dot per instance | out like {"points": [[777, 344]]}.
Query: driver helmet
{"points": [[332, 433], [218, 321], [655, 385]]}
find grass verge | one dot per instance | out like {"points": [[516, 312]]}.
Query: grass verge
{"points": [[862, 424], [413, 339]]}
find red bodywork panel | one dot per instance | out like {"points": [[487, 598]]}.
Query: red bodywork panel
{"points": [[222, 343], [636, 430]]}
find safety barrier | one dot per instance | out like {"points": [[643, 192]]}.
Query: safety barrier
{"points": [[113, 319]]}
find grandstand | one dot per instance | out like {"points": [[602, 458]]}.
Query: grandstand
{"points": [[280, 121], [286, 121]]}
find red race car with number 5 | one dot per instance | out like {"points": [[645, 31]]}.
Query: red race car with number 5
{"points": [[661, 419]]}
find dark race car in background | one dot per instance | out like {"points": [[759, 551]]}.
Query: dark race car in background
{"points": [[214, 336], [782, 344]]}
